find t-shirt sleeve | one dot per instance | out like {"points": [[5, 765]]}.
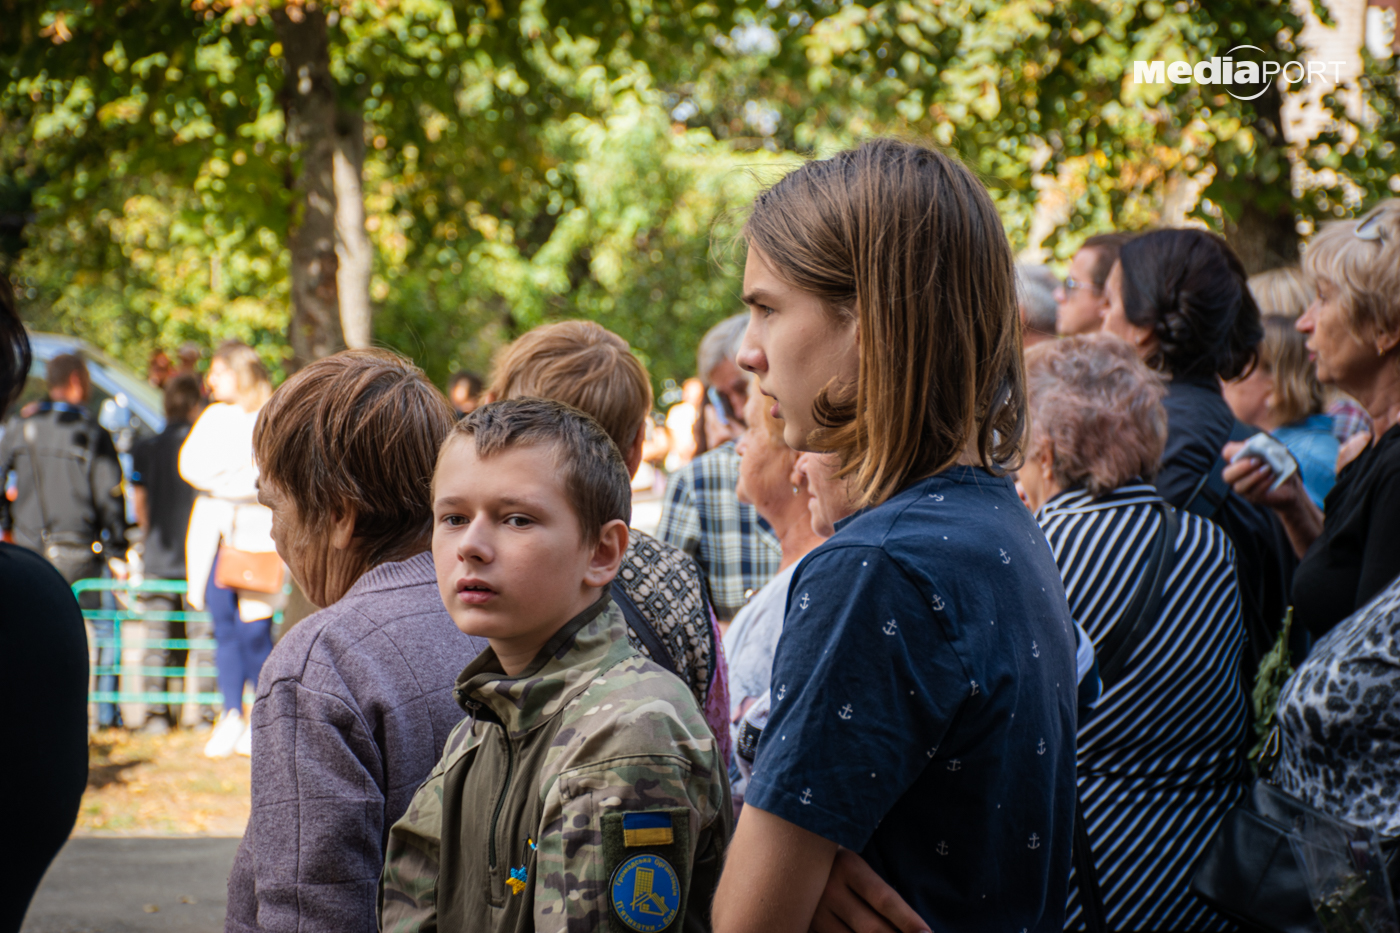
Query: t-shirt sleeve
{"points": [[865, 685]]}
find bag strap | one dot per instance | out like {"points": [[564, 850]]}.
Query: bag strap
{"points": [[1141, 612], [1086, 875], [642, 627], [1211, 490]]}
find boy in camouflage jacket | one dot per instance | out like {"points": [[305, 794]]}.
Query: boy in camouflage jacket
{"points": [[584, 790]]}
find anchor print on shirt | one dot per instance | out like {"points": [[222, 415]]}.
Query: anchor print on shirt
{"points": [[804, 602], [806, 795], [941, 848], [1034, 843], [1035, 650], [1005, 557], [782, 691], [937, 603], [975, 688], [955, 765], [890, 627], [936, 497], [1040, 749], [845, 712]]}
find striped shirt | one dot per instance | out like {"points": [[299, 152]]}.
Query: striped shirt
{"points": [[735, 548], [1161, 760]]}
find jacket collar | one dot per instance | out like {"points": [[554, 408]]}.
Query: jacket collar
{"points": [[590, 643], [1077, 500]]}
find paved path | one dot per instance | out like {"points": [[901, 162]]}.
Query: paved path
{"points": [[106, 885]]}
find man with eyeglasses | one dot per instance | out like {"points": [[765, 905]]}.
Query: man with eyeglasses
{"points": [[1080, 301]]}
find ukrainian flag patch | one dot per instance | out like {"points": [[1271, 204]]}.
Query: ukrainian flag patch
{"points": [[646, 829]]}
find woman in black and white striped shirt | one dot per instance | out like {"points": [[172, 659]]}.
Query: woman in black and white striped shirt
{"points": [[1161, 760]]}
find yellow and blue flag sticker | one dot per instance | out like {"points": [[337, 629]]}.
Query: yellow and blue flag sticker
{"points": [[646, 829], [646, 894]]}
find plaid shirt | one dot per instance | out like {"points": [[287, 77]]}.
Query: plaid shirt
{"points": [[735, 548], [1348, 418]]}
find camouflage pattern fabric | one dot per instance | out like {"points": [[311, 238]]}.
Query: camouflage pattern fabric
{"points": [[507, 832]]}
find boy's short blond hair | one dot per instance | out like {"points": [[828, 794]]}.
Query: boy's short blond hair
{"points": [[1364, 269], [1284, 291], [583, 365]]}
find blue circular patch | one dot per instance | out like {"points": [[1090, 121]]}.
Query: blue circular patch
{"points": [[646, 895]]}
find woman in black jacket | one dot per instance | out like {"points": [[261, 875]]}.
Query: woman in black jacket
{"points": [[1180, 297], [43, 686]]}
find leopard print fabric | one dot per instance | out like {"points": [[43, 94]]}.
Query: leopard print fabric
{"points": [[1339, 720], [665, 583]]}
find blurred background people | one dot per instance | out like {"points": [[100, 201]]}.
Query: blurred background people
{"points": [[1286, 291], [735, 548], [68, 504], [464, 392], [1169, 655], [1281, 395], [162, 501], [43, 684], [217, 460], [770, 482], [159, 369], [355, 702], [584, 365], [1035, 293], [680, 424], [1353, 330], [1179, 297], [1080, 301]]}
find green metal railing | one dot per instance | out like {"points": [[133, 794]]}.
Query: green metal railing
{"points": [[127, 645]]}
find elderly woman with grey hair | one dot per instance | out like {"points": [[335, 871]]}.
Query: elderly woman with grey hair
{"points": [[1161, 759]]}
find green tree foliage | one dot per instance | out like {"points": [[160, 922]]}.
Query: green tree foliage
{"points": [[553, 159]]}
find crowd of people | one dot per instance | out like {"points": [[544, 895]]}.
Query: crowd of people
{"points": [[952, 620]]}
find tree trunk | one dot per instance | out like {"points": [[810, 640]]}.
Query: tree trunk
{"points": [[1266, 235], [309, 101], [352, 246]]}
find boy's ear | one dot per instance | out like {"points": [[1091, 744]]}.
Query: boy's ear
{"points": [[607, 554]]}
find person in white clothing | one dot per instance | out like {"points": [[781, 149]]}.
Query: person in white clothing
{"points": [[769, 481], [217, 460]]}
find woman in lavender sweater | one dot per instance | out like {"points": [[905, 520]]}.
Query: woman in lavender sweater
{"points": [[355, 702]]}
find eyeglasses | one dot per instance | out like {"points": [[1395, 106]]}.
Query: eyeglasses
{"points": [[1371, 229], [1073, 285]]}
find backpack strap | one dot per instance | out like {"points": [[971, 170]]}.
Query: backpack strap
{"points": [[1210, 491], [640, 625]]}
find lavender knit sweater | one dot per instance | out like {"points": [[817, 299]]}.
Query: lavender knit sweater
{"points": [[353, 708]]}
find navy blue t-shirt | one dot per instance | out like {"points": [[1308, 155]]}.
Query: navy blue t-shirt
{"points": [[924, 704]]}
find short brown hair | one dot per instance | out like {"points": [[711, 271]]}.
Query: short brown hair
{"points": [[1284, 356], [182, 397], [581, 364], [1366, 272], [62, 367], [1106, 248], [595, 478], [360, 430], [1101, 408], [907, 240]]}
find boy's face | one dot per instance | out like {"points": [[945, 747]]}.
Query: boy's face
{"points": [[512, 565]]}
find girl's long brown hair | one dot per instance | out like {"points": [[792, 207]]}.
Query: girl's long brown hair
{"points": [[906, 239]]}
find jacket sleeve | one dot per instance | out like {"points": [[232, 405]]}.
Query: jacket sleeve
{"points": [[311, 854], [108, 501], [408, 886], [583, 839]]}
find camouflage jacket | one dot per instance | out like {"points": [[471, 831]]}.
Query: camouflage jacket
{"points": [[585, 794]]}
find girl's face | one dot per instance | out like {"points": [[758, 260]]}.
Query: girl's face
{"points": [[223, 382], [1115, 319], [795, 347]]}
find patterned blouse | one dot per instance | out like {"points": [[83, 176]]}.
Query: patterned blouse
{"points": [[1339, 720]]}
